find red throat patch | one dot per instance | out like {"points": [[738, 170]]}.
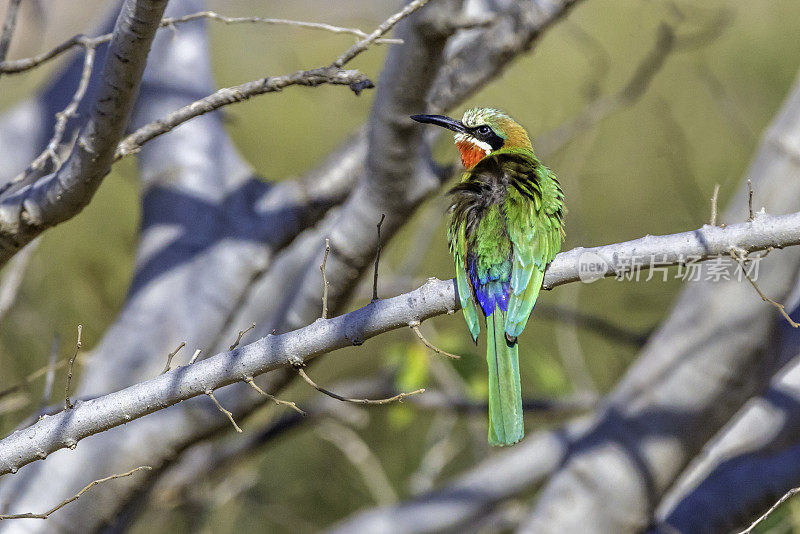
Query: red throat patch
{"points": [[470, 154]]}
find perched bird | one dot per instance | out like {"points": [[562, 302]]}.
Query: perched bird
{"points": [[506, 226]]}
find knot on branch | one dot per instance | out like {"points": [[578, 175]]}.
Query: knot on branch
{"points": [[296, 362]]}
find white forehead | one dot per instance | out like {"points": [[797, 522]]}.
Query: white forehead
{"points": [[476, 116]]}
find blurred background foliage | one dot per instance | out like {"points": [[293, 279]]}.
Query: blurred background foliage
{"points": [[649, 168]]}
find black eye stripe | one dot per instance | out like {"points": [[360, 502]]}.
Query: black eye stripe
{"points": [[488, 136]]}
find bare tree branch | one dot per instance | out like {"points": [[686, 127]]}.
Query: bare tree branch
{"points": [[170, 21], [58, 197], [395, 398], [333, 74], [67, 403], [230, 224], [516, 27], [59, 506], [600, 107], [21, 65], [230, 95], [415, 328], [50, 152], [786, 496], [226, 413], [434, 298], [384, 27], [172, 355]]}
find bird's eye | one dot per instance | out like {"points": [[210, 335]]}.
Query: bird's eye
{"points": [[484, 130]]}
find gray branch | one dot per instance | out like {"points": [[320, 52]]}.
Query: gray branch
{"points": [[230, 95], [60, 196], [436, 297]]}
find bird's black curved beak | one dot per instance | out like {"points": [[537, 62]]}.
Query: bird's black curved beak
{"points": [[441, 120]]}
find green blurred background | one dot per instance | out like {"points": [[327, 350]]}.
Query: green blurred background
{"points": [[649, 168]]}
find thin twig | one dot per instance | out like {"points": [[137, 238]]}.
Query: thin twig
{"points": [[227, 413], [8, 27], [377, 259], [325, 284], [786, 496], [274, 399], [241, 335], [170, 356], [415, 327], [168, 21], [195, 356], [21, 65], [741, 261], [75, 497], [387, 25], [62, 117], [354, 79], [714, 199], [750, 200], [332, 74], [67, 404], [397, 398], [50, 152]]}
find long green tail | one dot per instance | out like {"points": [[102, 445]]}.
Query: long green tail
{"points": [[505, 396]]}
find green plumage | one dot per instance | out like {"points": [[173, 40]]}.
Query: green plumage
{"points": [[505, 393], [506, 226]]}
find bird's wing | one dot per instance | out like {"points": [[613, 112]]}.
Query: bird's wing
{"points": [[465, 295], [458, 247], [534, 211]]}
